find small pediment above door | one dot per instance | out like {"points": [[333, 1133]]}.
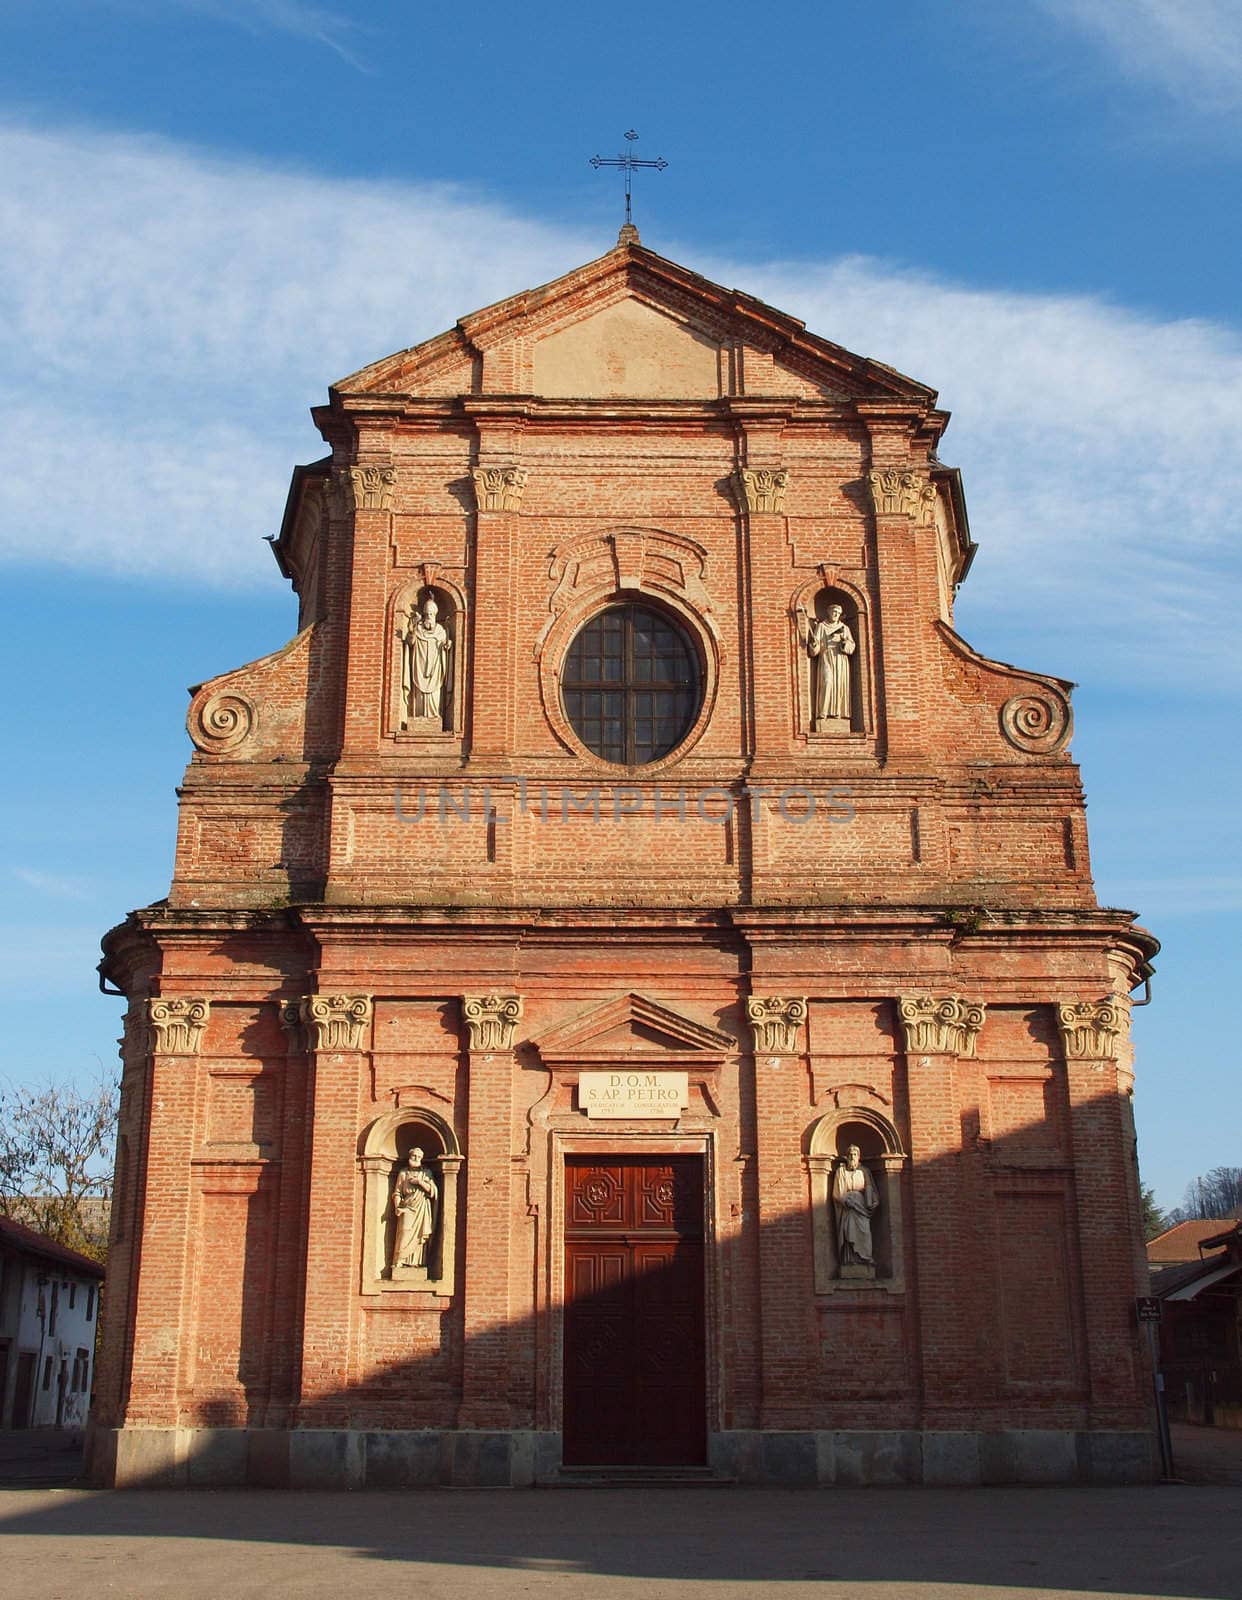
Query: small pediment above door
{"points": [[634, 1029]]}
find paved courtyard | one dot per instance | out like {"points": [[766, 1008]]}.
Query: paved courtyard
{"points": [[62, 1542], [739, 1544]]}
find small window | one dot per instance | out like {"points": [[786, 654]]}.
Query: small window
{"points": [[47, 1373], [73, 1295], [51, 1321], [631, 685], [90, 1303]]}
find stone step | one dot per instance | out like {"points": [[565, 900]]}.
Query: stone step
{"points": [[636, 1478]]}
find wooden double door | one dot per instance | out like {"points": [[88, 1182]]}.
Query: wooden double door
{"points": [[635, 1368]]}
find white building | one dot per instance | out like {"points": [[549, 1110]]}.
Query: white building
{"points": [[49, 1304]]}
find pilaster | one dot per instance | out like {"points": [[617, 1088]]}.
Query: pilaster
{"points": [[760, 484], [175, 1030], [368, 488], [499, 484], [1092, 1038], [338, 1033], [938, 1031], [902, 502], [490, 1023], [787, 1339], [287, 1289]]}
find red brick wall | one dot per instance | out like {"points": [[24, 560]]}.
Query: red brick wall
{"points": [[235, 1290]]}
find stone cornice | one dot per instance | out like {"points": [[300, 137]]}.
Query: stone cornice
{"points": [[437, 411]]}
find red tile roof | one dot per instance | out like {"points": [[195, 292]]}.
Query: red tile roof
{"points": [[20, 1237], [1181, 1242]]}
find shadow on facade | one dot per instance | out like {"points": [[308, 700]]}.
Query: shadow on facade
{"points": [[995, 1343], [830, 1387]]}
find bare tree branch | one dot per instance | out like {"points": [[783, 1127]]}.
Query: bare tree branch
{"points": [[56, 1149]]}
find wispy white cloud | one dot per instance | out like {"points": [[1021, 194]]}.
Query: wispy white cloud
{"points": [[300, 19], [53, 884], [1098, 450], [295, 17], [166, 319], [1191, 49]]}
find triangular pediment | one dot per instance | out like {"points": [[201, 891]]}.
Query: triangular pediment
{"points": [[629, 349], [631, 1027], [632, 325]]}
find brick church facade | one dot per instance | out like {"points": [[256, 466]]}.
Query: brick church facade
{"points": [[631, 994]]}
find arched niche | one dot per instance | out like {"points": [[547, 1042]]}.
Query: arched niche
{"points": [[882, 1155], [811, 606], [405, 604], [384, 1150]]}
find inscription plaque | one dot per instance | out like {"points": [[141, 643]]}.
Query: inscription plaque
{"points": [[633, 1094]]}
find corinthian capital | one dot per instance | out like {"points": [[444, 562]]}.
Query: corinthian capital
{"points": [[775, 1023], [178, 1025], [337, 1021], [498, 488], [944, 1025], [1089, 1029], [372, 487], [491, 1019], [762, 488], [901, 493]]}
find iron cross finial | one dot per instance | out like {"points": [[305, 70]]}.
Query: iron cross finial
{"points": [[629, 163]]}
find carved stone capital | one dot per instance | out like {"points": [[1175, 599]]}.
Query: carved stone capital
{"points": [[1090, 1029], [337, 1021], [901, 493], [498, 488], [491, 1019], [943, 1025], [761, 488], [372, 487], [775, 1023], [178, 1025], [293, 1022]]}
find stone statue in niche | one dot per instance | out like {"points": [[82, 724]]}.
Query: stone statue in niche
{"points": [[425, 647], [855, 1201], [830, 644], [414, 1199]]}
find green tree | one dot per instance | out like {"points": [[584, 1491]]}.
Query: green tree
{"points": [[56, 1149], [1154, 1220]]}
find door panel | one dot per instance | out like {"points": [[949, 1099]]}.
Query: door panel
{"points": [[23, 1393], [634, 1390]]}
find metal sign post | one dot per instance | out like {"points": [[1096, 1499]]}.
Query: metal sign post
{"points": [[1147, 1310]]}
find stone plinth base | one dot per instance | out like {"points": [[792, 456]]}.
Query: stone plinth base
{"points": [[317, 1458], [850, 1458], [348, 1458]]}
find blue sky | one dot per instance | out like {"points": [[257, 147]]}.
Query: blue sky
{"points": [[210, 209]]}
